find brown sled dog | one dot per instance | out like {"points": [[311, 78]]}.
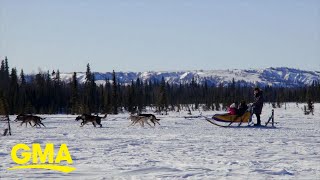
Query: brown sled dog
{"points": [[26, 118], [86, 118], [143, 118], [138, 119]]}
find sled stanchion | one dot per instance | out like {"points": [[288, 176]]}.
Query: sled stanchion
{"points": [[9, 128], [7, 131], [271, 118]]}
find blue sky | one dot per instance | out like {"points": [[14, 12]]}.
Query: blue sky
{"points": [[159, 35]]}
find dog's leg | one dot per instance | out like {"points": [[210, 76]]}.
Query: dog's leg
{"points": [[84, 123], [42, 124], [141, 123], [99, 122], [35, 123], [131, 124], [154, 124], [148, 123], [138, 121], [134, 122]]}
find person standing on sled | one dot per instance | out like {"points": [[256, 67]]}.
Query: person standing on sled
{"points": [[257, 104]]}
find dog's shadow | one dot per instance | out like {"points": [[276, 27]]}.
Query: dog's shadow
{"points": [[45, 127], [103, 127]]}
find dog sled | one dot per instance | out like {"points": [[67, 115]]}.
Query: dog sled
{"points": [[227, 120]]}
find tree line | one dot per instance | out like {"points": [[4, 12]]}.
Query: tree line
{"points": [[46, 93]]}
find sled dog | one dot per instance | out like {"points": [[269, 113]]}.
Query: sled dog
{"points": [[25, 118], [139, 119], [143, 118], [152, 118], [86, 118]]}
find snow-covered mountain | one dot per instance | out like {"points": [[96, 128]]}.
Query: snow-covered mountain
{"points": [[281, 76]]}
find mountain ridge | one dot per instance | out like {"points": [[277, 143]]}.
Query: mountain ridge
{"points": [[272, 76]]}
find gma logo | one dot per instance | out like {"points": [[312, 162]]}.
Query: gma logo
{"points": [[41, 159]]}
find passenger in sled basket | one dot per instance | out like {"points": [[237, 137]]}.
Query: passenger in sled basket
{"points": [[232, 109], [242, 108]]}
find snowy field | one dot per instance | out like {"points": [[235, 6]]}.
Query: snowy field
{"points": [[179, 148]]}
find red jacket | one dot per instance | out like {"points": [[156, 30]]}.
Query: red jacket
{"points": [[232, 111]]}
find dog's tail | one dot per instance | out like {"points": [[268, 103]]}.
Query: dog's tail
{"points": [[104, 116], [42, 118]]}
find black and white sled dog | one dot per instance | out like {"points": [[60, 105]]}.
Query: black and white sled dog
{"points": [[143, 118], [26, 118], [86, 118]]}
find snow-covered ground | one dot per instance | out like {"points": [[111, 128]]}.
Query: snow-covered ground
{"points": [[179, 148]]}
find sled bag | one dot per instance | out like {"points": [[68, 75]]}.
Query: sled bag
{"points": [[232, 118]]}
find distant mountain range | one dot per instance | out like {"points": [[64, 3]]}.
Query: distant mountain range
{"points": [[281, 76]]}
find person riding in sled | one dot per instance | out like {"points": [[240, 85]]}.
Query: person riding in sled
{"points": [[257, 104], [242, 108], [232, 110]]}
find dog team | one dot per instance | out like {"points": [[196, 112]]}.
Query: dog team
{"points": [[88, 118]]}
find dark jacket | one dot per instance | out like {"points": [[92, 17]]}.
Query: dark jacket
{"points": [[242, 109], [258, 103]]}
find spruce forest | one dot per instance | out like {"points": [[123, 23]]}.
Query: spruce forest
{"points": [[45, 93]]}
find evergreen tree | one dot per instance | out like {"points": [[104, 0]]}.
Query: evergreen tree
{"points": [[107, 97], [88, 74], [6, 67], [22, 78], [74, 94], [162, 101], [3, 105], [114, 94], [2, 79], [22, 93], [89, 99], [131, 96], [13, 91]]}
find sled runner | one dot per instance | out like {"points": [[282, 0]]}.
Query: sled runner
{"points": [[226, 120]]}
